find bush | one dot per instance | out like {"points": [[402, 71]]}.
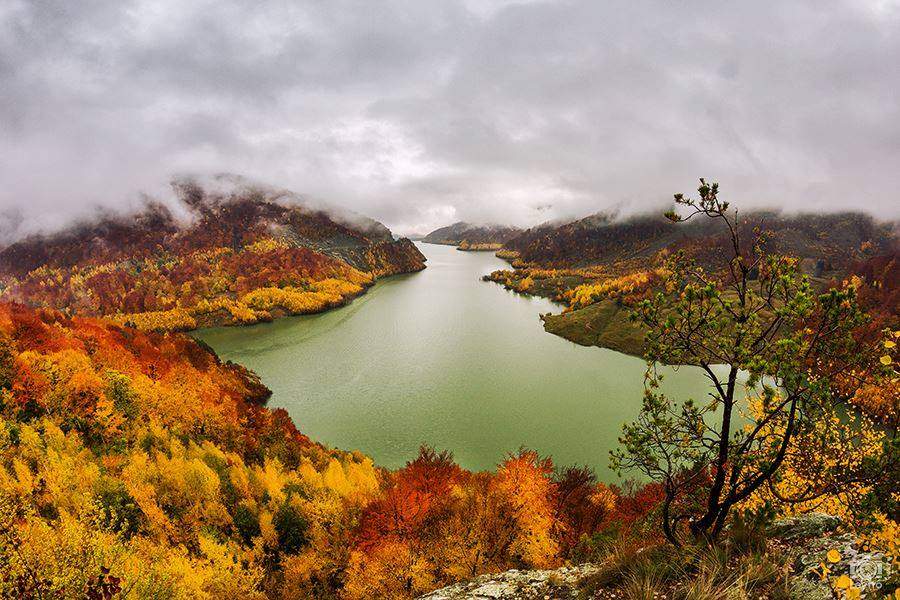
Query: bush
{"points": [[291, 527], [748, 529], [118, 511], [246, 523]]}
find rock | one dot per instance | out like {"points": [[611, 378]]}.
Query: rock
{"points": [[821, 559], [804, 589], [804, 526], [807, 539], [553, 584]]}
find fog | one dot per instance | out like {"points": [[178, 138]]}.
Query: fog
{"points": [[422, 113]]}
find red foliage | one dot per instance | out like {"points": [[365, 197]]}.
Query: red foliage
{"points": [[578, 513], [881, 293], [634, 503], [414, 501], [176, 362]]}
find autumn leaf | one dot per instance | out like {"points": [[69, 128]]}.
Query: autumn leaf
{"points": [[843, 582]]}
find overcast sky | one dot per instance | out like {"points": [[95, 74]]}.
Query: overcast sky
{"points": [[421, 113]]}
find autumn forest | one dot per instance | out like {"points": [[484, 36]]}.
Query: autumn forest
{"points": [[135, 463]]}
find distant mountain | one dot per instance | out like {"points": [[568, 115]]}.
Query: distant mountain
{"points": [[227, 252], [831, 241], [468, 235]]}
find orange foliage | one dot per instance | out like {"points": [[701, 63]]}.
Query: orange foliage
{"points": [[75, 369], [152, 458], [208, 286]]}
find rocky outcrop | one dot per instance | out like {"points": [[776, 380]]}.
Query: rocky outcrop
{"points": [[518, 585], [825, 564], [384, 258], [825, 561], [811, 525]]}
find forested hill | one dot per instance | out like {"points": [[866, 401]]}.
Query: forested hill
{"points": [[466, 234], [599, 267], [832, 242], [229, 252], [138, 465]]}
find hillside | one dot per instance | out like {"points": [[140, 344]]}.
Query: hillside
{"points": [[235, 253], [598, 266], [830, 243], [472, 237], [139, 463]]}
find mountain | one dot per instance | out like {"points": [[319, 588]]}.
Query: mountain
{"points": [[472, 237], [599, 266], [834, 241], [227, 252]]}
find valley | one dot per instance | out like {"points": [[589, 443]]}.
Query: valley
{"points": [[418, 300], [442, 358], [372, 417]]}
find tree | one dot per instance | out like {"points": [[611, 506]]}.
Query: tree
{"points": [[752, 312]]}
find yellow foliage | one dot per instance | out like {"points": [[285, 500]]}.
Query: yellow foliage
{"points": [[848, 442], [391, 571], [588, 293], [239, 311], [176, 319], [327, 293], [266, 245], [525, 484]]}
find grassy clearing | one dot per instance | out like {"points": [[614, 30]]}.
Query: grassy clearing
{"points": [[604, 324]]}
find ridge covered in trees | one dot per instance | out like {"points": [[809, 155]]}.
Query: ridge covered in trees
{"points": [[466, 236], [138, 462], [599, 268], [242, 254]]}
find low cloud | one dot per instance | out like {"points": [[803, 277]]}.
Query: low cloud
{"points": [[421, 113]]}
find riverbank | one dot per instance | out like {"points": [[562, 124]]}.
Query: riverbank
{"points": [[246, 255], [604, 323], [352, 275]]}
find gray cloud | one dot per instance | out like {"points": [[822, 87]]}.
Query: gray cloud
{"points": [[419, 113]]}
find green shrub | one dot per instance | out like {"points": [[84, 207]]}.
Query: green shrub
{"points": [[246, 523], [118, 511], [291, 527]]}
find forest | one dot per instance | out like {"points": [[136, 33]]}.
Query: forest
{"points": [[246, 256], [136, 462], [833, 251]]}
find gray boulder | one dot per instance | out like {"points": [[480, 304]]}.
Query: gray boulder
{"points": [[814, 536], [555, 584]]}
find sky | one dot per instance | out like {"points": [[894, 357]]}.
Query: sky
{"points": [[420, 113]]}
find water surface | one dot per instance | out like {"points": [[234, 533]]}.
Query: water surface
{"points": [[441, 357]]}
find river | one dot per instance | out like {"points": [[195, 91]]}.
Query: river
{"points": [[443, 358]]}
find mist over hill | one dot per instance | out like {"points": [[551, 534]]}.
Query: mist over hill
{"points": [[837, 239], [226, 252], [460, 232]]}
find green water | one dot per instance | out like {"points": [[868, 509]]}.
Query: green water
{"points": [[441, 357]]}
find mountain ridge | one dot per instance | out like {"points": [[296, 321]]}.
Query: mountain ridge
{"points": [[243, 254], [469, 236]]}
